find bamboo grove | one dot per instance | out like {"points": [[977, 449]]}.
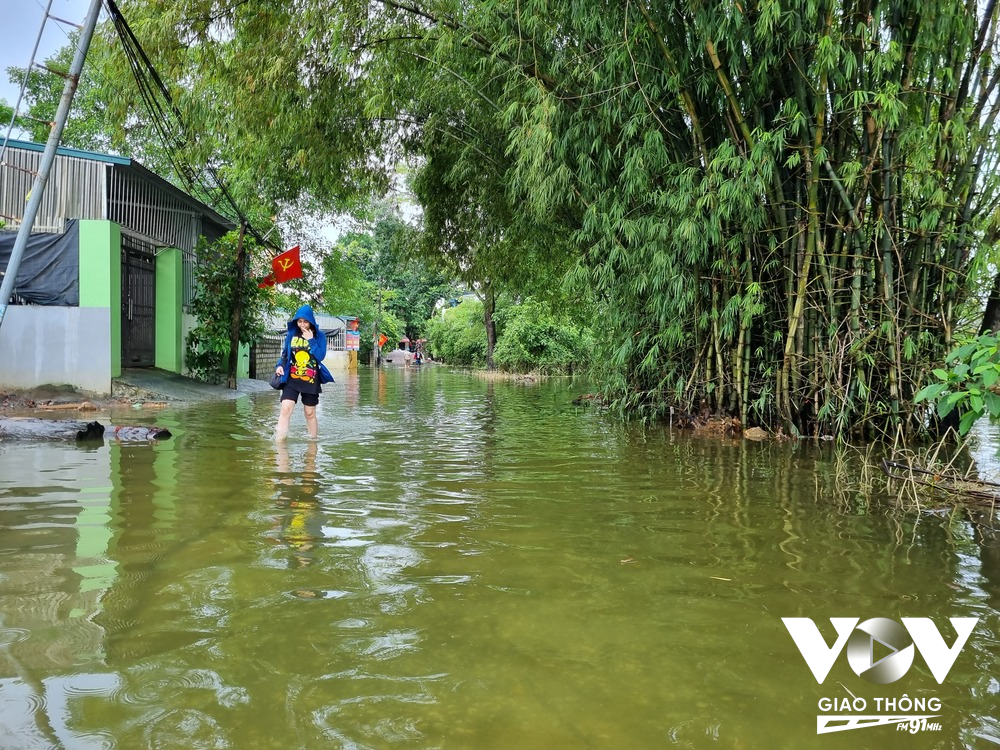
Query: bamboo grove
{"points": [[784, 210]]}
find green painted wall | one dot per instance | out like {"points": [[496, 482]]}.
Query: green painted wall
{"points": [[101, 278], [169, 299]]}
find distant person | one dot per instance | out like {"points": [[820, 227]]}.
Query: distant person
{"points": [[418, 357], [302, 371]]}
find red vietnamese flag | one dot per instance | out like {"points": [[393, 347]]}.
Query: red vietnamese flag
{"points": [[287, 266], [266, 281]]}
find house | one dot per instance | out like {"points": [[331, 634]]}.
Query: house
{"points": [[125, 240]]}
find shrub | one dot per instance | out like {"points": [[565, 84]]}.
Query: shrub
{"points": [[207, 344], [534, 339], [458, 335]]}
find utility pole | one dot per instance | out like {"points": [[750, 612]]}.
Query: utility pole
{"points": [[376, 346], [234, 328], [48, 156]]}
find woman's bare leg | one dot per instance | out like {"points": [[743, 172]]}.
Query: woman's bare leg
{"points": [[312, 426], [287, 407]]}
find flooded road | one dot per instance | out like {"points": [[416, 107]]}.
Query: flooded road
{"points": [[464, 564]]}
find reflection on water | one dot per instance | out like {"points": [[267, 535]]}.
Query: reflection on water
{"points": [[458, 564]]}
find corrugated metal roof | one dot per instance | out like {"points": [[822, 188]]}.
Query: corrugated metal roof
{"points": [[90, 185], [130, 165], [74, 152]]}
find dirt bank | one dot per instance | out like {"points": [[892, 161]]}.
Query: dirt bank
{"points": [[56, 400]]}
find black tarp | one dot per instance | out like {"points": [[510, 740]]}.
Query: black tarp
{"points": [[49, 273]]}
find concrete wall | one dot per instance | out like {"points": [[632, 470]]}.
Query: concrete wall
{"points": [[56, 346], [75, 346], [339, 361]]}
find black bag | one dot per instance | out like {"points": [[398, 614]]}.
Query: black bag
{"points": [[276, 381]]}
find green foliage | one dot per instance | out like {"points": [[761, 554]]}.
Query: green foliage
{"points": [[90, 122], [108, 116], [387, 257], [346, 291], [208, 343], [532, 338], [371, 274], [967, 383], [457, 335], [393, 328], [780, 210]]}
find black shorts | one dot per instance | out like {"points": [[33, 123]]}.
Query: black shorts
{"points": [[291, 394]]}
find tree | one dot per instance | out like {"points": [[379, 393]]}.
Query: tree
{"points": [[471, 228], [371, 273], [534, 338], [88, 126], [783, 209], [321, 100], [219, 286], [458, 336]]}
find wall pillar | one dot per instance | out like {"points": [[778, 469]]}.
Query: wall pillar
{"points": [[169, 302], [101, 287], [243, 361]]}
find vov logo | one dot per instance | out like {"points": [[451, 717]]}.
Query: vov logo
{"points": [[880, 650]]}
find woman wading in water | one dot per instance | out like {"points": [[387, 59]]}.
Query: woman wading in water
{"points": [[302, 370]]}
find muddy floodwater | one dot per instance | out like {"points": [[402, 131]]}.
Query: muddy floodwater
{"points": [[466, 564]]}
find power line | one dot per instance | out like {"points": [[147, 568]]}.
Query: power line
{"points": [[168, 120]]}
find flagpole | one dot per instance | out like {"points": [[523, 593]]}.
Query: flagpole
{"points": [[234, 330]]}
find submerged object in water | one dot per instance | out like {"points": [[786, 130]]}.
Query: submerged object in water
{"points": [[30, 428]]}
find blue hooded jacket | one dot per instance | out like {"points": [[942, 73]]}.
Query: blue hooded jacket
{"points": [[317, 346]]}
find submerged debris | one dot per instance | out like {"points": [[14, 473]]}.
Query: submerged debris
{"points": [[946, 480], [29, 428]]}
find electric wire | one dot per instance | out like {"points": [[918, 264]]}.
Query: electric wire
{"points": [[167, 120], [161, 106]]}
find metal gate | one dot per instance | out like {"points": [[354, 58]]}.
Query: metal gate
{"points": [[138, 303]]}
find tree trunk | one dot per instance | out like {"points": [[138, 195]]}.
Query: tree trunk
{"points": [[489, 306], [991, 318]]}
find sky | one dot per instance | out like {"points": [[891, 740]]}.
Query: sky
{"points": [[19, 29]]}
